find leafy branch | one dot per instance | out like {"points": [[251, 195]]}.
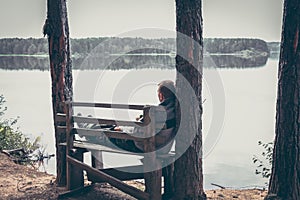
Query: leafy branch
{"points": [[264, 162]]}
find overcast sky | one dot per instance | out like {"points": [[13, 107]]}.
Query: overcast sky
{"points": [[97, 18]]}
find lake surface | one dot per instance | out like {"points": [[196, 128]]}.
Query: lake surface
{"points": [[249, 103]]}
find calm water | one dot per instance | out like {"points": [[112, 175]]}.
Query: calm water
{"points": [[250, 95]]}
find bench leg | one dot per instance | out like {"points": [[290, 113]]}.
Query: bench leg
{"points": [[169, 180], [76, 179], [153, 182], [97, 159]]}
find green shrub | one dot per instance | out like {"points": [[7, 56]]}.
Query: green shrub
{"points": [[11, 138]]}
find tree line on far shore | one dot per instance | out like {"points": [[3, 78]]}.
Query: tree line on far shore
{"points": [[110, 45]]}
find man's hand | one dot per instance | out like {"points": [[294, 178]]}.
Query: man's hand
{"points": [[117, 128], [139, 118]]}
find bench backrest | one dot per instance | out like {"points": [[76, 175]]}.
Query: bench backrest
{"points": [[154, 118]]}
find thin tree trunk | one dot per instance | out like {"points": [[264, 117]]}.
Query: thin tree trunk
{"points": [[57, 30], [189, 61], [285, 177]]}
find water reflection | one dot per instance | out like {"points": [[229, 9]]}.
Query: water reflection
{"points": [[24, 62], [229, 61], [116, 62]]}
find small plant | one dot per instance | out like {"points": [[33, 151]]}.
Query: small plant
{"points": [[264, 163], [12, 138]]}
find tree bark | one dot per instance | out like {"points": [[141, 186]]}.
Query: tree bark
{"points": [[57, 29], [285, 176], [189, 62]]}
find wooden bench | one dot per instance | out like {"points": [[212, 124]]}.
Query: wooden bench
{"points": [[150, 170]]}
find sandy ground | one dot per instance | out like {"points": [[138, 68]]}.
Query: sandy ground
{"points": [[23, 182]]}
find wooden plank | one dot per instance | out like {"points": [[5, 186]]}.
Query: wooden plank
{"points": [[69, 141], [91, 120], [60, 117], [122, 173], [98, 147], [109, 179], [108, 105], [152, 167], [108, 133]]}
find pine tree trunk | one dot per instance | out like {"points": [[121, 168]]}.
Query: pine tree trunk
{"points": [[189, 61], [57, 30], [285, 177]]}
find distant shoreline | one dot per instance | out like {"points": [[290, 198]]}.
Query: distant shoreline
{"points": [[135, 53], [33, 46]]}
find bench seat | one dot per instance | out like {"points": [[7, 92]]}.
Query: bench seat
{"points": [[98, 147]]}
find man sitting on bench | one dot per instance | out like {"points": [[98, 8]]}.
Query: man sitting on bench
{"points": [[167, 98]]}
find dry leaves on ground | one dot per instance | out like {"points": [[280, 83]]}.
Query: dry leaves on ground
{"points": [[25, 183]]}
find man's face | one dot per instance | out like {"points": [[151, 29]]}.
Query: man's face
{"points": [[160, 96]]}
